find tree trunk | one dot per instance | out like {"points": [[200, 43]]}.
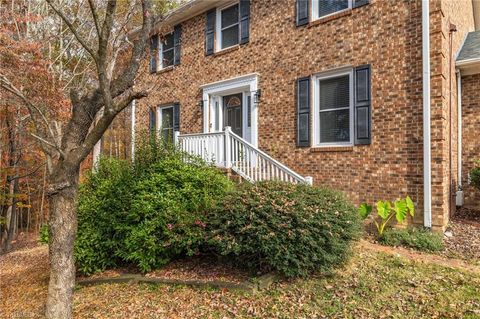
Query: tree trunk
{"points": [[62, 232]]}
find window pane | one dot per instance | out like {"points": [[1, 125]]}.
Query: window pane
{"points": [[335, 93], [167, 58], [335, 126], [167, 42], [326, 7], [230, 36], [167, 118], [230, 16]]}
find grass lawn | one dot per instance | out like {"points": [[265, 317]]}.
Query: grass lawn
{"points": [[373, 285]]}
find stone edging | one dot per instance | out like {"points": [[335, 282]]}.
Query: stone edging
{"points": [[259, 283]]}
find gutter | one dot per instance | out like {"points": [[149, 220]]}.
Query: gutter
{"points": [[427, 154], [467, 62]]}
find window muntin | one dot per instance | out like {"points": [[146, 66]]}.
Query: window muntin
{"points": [[165, 121], [334, 109], [323, 8], [229, 33], [167, 51]]}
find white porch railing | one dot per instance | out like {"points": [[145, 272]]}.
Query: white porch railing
{"points": [[226, 149]]}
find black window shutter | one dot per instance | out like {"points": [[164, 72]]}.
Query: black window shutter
{"points": [[177, 41], [152, 120], [363, 113], [176, 116], [244, 21], [153, 53], [303, 12], [303, 112], [359, 3], [210, 32]]}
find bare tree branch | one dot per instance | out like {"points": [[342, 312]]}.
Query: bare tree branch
{"points": [[94, 15], [73, 29], [8, 86]]}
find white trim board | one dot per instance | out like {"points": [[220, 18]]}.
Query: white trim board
{"points": [[244, 83]]}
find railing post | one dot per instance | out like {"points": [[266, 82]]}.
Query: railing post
{"points": [[176, 135], [228, 146], [309, 180]]}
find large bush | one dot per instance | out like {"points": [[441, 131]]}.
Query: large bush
{"points": [[147, 212], [292, 229], [167, 217], [104, 202]]}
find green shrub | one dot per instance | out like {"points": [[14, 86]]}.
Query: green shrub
{"points": [[147, 212], [104, 203], [292, 229], [416, 238], [44, 234], [167, 217], [475, 175]]}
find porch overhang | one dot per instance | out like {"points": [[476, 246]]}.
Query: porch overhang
{"points": [[468, 59]]}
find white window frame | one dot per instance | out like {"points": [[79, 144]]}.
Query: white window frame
{"points": [[316, 106], [160, 52], [160, 119], [218, 26], [314, 13]]}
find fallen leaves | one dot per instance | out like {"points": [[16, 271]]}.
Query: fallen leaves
{"points": [[373, 285]]}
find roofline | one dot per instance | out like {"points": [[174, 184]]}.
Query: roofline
{"points": [[190, 9], [468, 62]]}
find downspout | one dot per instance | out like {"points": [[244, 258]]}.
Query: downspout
{"points": [[451, 203], [133, 120], [459, 148], [427, 155]]}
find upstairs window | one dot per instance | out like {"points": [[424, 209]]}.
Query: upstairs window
{"points": [[166, 51], [323, 8], [228, 27], [310, 10]]}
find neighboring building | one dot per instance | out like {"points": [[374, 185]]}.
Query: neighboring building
{"points": [[333, 89]]}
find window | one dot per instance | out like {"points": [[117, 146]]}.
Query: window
{"points": [[323, 8], [165, 122], [334, 109], [166, 51], [228, 27]]}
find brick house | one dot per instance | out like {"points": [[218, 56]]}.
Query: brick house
{"points": [[347, 92]]}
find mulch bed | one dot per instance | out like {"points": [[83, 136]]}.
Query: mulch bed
{"points": [[464, 242], [204, 268], [198, 268], [469, 215]]}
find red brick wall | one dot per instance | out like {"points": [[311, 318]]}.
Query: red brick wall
{"points": [[470, 133], [385, 34], [444, 101]]}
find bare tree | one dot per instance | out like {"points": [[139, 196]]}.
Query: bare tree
{"points": [[110, 89]]}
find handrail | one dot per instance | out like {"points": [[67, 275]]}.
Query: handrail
{"points": [[271, 159], [227, 149]]}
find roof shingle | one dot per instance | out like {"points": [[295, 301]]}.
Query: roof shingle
{"points": [[471, 47]]}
